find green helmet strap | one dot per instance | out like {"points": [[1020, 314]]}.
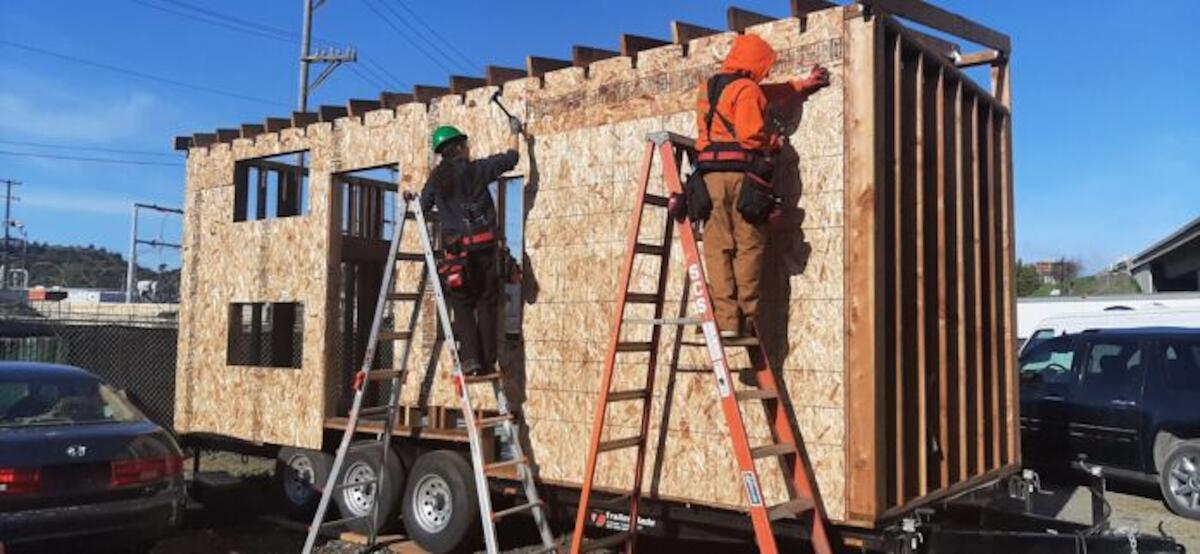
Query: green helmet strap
{"points": [[444, 135]]}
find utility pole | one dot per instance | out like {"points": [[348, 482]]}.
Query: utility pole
{"points": [[8, 200], [332, 56], [134, 241]]}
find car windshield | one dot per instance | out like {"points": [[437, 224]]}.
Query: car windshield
{"points": [[31, 401]]}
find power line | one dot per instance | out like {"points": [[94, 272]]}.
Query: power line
{"points": [[139, 74], [403, 35], [86, 159], [430, 43], [214, 21], [449, 44], [89, 148]]}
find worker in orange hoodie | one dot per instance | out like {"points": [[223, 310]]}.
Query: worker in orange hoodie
{"points": [[735, 158]]}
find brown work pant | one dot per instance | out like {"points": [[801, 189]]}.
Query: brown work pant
{"points": [[733, 253]]}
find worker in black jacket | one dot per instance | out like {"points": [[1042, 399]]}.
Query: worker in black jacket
{"points": [[458, 187]]}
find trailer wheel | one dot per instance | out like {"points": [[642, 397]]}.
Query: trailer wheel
{"points": [[299, 473], [361, 465], [441, 512], [1180, 479]]}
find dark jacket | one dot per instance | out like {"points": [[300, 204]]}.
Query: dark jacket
{"points": [[467, 207]]}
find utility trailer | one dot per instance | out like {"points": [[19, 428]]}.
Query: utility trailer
{"points": [[888, 299]]}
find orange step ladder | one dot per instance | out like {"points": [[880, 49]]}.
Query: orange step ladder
{"points": [[787, 446]]}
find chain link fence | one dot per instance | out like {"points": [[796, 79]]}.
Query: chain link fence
{"points": [[136, 354]]}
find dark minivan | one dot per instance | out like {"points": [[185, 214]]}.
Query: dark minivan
{"points": [[80, 464], [1124, 399]]}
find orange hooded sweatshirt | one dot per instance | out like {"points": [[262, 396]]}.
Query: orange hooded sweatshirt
{"points": [[744, 101]]}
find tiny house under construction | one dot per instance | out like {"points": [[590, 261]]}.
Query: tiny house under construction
{"points": [[888, 295]]}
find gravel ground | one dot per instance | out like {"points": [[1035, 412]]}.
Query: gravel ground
{"points": [[1135, 507]]}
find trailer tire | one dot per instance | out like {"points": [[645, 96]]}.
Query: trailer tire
{"points": [[299, 474], [1180, 479], [440, 509], [361, 465]]}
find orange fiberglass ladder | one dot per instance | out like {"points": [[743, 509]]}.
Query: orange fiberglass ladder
{"points": [[787, 446]]}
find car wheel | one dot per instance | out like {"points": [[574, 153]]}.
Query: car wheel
{"points": [[355, 500], [1180, 480], [441, 510], [300, 473]]}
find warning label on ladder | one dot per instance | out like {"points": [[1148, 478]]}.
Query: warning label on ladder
{"points": [[752, 493]]}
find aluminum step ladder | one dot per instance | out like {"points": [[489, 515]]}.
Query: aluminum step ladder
{"points": [[787, 446], [409, 208]]}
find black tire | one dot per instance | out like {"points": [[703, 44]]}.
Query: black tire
{"points": [[1180, 479], [441, 510], [299, 475], [362, 463]]}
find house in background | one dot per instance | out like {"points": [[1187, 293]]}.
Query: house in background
{"points": [[1172, 264]]}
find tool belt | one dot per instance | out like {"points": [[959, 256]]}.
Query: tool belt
{"points": [[453, 269]]}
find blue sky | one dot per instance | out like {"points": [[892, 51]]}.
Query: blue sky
{"points": [[1106, 98]]}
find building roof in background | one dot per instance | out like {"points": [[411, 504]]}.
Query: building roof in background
{"points": [[1185, 234]]}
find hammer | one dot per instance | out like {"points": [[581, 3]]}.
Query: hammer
{"points": [[496, 100]]}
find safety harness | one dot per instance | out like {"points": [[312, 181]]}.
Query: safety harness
{"points": [[723, 155]]}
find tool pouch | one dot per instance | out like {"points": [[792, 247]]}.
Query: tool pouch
{"points": [[697, 203], [453, 269], [757, 199]]}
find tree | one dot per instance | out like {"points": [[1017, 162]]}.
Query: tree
{"points": [[1028, 280], [1066, 270]]}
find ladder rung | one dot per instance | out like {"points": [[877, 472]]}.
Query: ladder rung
{"points": [[790, 508], [728, 343], [473, 379], [665, 321], [656, 200], [395, 335], [621, 396], [410, 256], [772, 450], [606, 542], [404, 296], [486, 422], [515, 509], [649, 249], [374, 410], [756, 394], [504, 465], [385, 374], [617, 444], [635, 346], [641, 298]]}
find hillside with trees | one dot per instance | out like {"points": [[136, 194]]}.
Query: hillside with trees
{"points": [[52, 265]]}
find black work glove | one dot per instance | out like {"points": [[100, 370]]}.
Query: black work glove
{"points": [[514, 125]]}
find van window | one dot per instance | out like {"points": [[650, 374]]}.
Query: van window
{"points": [[1049, 362], [1181, 365], [1113, 362]]}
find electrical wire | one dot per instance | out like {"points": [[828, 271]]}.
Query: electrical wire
{"points": [[415, 44], [88, 148], [218, 22], [432, 31], [139, 74], [87, 159], [428, 42]]}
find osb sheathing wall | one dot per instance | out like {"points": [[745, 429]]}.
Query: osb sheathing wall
{"points": [[581, 171]]}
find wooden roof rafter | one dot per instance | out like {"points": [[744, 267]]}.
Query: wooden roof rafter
{"points": [[538, 66], [947, 22], [738, 19], [460, 84], [427, 93], [497, 75], [389, 99]]}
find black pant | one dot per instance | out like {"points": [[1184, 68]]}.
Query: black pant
{"points": [[474, 309]]}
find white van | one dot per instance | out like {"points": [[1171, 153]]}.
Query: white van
{"points": [[1114, 319]]}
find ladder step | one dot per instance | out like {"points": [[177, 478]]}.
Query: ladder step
{"points": [[516, 509], [635, 346], [486, 422], [395, 335], [618, 444], [404, 296], [656, 200], [756, 394], [373, 411], [489, 468], [649, 249], [641, 298], [473, 379], [772, 450], [606, 542], [621, 396], [729, 343], [790, 508], [665, 321], [385, 374], [410, 257]]}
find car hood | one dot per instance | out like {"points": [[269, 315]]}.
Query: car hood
{"points": [[38, 446]]}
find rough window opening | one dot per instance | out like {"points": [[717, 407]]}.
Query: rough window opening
{"points": [[365, 207], [509, 194], [266, 334], [267, 188]]}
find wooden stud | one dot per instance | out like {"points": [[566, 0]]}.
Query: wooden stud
{"points": [[864, 167], [738, 19], [977, 263], [538, 66], [391, 100], [1001, 76], [934, 17], [922, 366], [358, 108], [682, 33], [960, 285], [276, 124], [583, 56], [984, 95], [997, 288], [427, 93], [943, 316], [948, 50], [251, 130], [182, 143], [982, 57], [303, 119], [497, 75], [326, 114], [632, 44], [897, 263], [460, 84]]}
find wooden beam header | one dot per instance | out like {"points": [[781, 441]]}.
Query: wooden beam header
{"points": [[944, 21]]}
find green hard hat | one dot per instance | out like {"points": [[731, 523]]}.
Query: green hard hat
{"points": [[444, 135]]}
